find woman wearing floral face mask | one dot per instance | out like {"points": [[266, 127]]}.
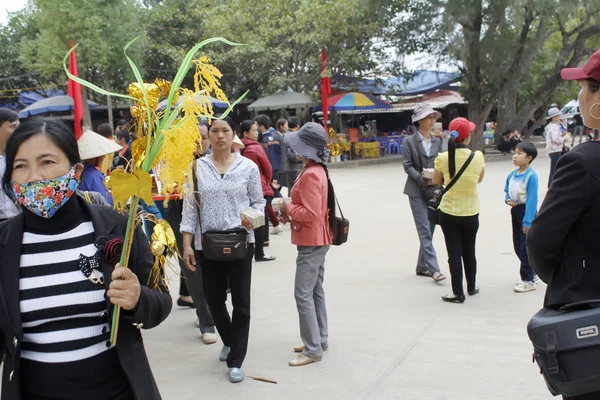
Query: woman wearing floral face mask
{"points": [[59, 284]]}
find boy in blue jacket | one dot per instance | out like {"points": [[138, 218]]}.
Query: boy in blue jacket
{"points": [[522, 196]]}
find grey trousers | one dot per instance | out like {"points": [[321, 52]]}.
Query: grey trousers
{"points": [[310, 299], [427, 260], [193, 280]]}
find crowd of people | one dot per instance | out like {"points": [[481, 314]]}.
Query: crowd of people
{"points": [[558, 243], [61, 282], [57, 217]]}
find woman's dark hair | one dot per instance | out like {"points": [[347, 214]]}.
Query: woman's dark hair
{"points": [[55, 130], [123, 135], [7, 115], [231, 124], [122, 122], [416, 124], [507, 132], [245, 126], [105, 130], [452, 155], [281, 123], [593, 85]]}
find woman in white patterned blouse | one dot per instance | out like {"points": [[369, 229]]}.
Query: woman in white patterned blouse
{"points": [[227, 184]]}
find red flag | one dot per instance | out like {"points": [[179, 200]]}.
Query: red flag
{"points": [[74, 90], [325, 88]]}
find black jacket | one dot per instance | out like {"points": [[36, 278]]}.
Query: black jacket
{"points": [[563, 241], [153, 307]]}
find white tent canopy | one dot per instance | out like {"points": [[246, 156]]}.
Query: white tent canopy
{"points": [[281, 100]]}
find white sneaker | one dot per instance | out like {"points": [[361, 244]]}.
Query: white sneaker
{"points": [[523, 287], [536, 278], [277, 230], [209, 338]]}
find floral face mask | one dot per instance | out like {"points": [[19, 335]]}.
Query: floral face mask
{"points": [[45, 198]]}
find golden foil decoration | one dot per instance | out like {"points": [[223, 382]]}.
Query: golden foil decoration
{"points": [[125, 185], [334, 146], [163, 245]]}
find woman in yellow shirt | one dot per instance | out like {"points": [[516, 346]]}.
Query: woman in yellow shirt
{"points": [[459, 208]]}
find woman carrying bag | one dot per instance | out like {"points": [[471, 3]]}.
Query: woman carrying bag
{"points": [[459, 207], [227, 184], [419, 152], [309, 216]]}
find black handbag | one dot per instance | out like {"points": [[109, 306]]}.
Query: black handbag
{"points": [[226, 245], [434, 204], [566, 347]]}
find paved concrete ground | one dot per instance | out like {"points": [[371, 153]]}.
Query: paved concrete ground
{"points": [[391, 336]]}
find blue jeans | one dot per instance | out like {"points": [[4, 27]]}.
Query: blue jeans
{"points": [[553, 160]]}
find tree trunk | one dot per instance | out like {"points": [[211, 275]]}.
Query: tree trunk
{"points": [[87, 119], [109, 101], [507, 110], [539, 100], [478, 115]]}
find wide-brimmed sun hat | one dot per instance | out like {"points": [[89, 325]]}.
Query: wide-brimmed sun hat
{"points": [[591, 69], [553, 112], [424, 110], [92, 145], [309, 142]]}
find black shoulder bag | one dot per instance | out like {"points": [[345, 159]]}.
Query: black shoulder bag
{"points": [[226, 245], [434, 204], [566, 347], [340, 226]]}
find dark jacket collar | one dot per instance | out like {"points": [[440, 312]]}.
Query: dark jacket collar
{"points": [[104, 221]]}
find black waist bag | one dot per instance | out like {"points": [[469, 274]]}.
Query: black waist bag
{"points": [[230, 245], [566, 345]]}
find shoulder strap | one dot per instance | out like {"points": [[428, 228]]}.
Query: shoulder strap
{"points": [[330, 189], [197, 194], [459, 174]]}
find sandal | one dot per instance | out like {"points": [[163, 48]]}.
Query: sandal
{"points": [[438, 277]]}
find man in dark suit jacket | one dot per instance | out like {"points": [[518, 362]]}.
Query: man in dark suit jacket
{"points": [[419, 151]]}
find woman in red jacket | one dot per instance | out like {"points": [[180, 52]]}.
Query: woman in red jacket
{"points": [[254, 151], [308, 214]]}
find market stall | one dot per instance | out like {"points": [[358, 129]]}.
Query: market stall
{"points": [[358, 142]]}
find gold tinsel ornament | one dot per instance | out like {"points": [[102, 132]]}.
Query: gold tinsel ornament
{"points": [[163, 136]]}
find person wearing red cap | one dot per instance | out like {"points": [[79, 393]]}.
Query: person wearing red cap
{"points": [[459, 207], [562, 242]]}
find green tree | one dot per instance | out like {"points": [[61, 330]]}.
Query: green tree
{"points": [[101, 28], [283, 39], [494, 45], [21, 25]]}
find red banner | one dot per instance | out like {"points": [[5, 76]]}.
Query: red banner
{"points": [[325, 87], [74, 90]]}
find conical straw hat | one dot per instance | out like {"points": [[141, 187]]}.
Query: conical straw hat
{"points": [[92, 145]]}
